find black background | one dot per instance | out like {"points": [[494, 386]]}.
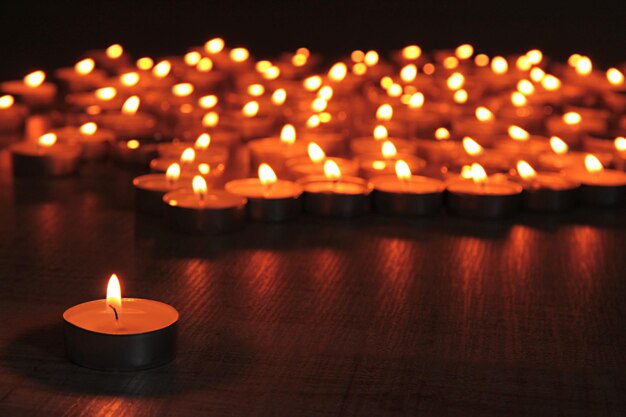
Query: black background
{"points": [[50, 34]]}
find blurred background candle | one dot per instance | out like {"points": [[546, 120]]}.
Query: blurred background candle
{"points": [[546, 191], [600, 187], [12, 114], [32, 90], [44, 157]]}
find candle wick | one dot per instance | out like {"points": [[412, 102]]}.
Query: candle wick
{"points": [[267, 190], [115, 312]]}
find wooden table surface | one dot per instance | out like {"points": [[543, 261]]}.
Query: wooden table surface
{"points": [[367, 317]]}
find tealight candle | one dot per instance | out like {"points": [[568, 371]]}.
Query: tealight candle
{"points": [[210, 166], [45, 157], [599, 187], [562, 158], [383, 162], [82, 76], [120, 334], [111, 58], [372, 144], [566, 126], [269, 198], [33, 89], [12, 115], [199, 210], [249, 122], [442, 149], [138, 151], [520, 144], [150, 189], [335, 195], [94, 142], [314, 164], [406, 195], [275, 151], [481, 198], [546, 191], [129, 123]]}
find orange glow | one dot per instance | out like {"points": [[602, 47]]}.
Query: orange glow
{"points": [[331, 170], [250, 109], [517, 133], [518, 99], [525, 87], [535, 56], [203, 142], [620, 143], [481, 60], [499, 65], [312, 83], [479, 176], [460, 96], [388, 149], [483, 114], [6, 101], [573, 60], [239, 54], [523, 63], [192, 58], [525, 170], [262, 66], [35, 79], [455, 81], [450, 62], [384, 112], [173, 173], [593, 164], [93, 110], [558, 145], [267, 176], [408, 73], [359, 68], [145, 63], [615, 76], [299, 59], [386, 82], [472, 147], [550, 82], [47, 140], [114, 51], [208, 102], [537, 74], [162, 69], [256, 90], [129, 79], [325, 117], [466, 172], [315, 152], [211, 119], [133, 144], [411, 52], [442, 134], [88, 128], [204, 168], [288, 134], [380, 132], [379, 165], [584, 66], [186, 108], [188, 156], [214, 46], [106, 93], [464, 51], [279, 96], [338, 72], [131, 105], [84, 66], [403, 172], [416, 101], [371, 58], [114, 294], [428, 69], [199, 186], [313, 121], [572, 118], [357, 56], [205, 64]]}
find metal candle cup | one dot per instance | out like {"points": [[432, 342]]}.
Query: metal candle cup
{"points": [[150, 189], [550, 192], [495, 200], [275, 202], [32, 160], [414, 196], [606, 188], [144, 338], [345, 197]]}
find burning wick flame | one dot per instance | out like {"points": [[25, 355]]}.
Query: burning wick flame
{"points": [[267, 176], [182, 89], [464, 51], [483, 114], [35, 79], [384, 112], [442, 134], [106, 93], [129, 79], [85, 66], [331, 170], [203, 142], [199, 187], [380, 132], [558, 145], [615, 76], [239, 54], [208, 102], [479, 176], [620, 143], [47, 140], [416, 101], [131, 105], [312, 83], [114, 51], [250, 109], [316, 153], [338, 72], [288, 135], [471, 146], [525, 170], [162, 69], [499, 65], [88, 128], [145, 63], [192, 58], [211, 119], [173, 173], [188, 156], [214, 46], [572, 118], [593, 164], [6, 101], [455, 81], [204, 169], [279, 96], [403, 172], [114, 295], [411, 52], [517, 133], [408, 73], [204, 65], [388, 149], [256, 90]]}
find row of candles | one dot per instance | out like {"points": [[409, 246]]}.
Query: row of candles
{"points": [[478, 135]]}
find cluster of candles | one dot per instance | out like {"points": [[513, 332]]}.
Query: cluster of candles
{"points": [[481, 136]]}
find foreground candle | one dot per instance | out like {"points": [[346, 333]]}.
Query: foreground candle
{"points": [[405, 194], [599, 187], [120, 334], [546, 191], [268, 197]]}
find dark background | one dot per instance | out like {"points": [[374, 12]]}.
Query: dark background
{"points": [[54, 33]]}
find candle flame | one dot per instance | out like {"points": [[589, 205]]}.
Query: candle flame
{"points": [[403, 172], [114, 293], [499, 65], [384, 112], [162, 69], [472, 147], [129, 79], [182, 89], [331, 170], [47, 140], [288, 134], [131, 105], [518, 99], [210, 119], [203, 142], [537, 74], [35, 79], [593, 164], [272, 73], [188, 156], [267, 176], [460, 96], [173, 173], [408, 73], [114, 51], [535, 56], [525, 170], [84, 66], [214, 46], [572, 118], [483, 114], [359, 68], [299, 59], [523, 63], [145, 63], [239, 54], [256, 90], [250, 109], [479, 176], [312, 83], [558, 145], [583, 66], [315, 152], [380, 132], [411, 52], [550, 82], [6, 101], [388, 149], [208, 102], [620, 143], [325, 92], [133, 144], [106, 93], [371, 58], [525, 87], [517, 133], [319, 105], [442, 133], [88, 128], [192, 58], [481, 60], [450, 62], [394, 90], [204, 169], [615, 76], [313, 121], [279, 96], [199, 186], [455, 81], [338, 72], [416, 101], [464, 51]]}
